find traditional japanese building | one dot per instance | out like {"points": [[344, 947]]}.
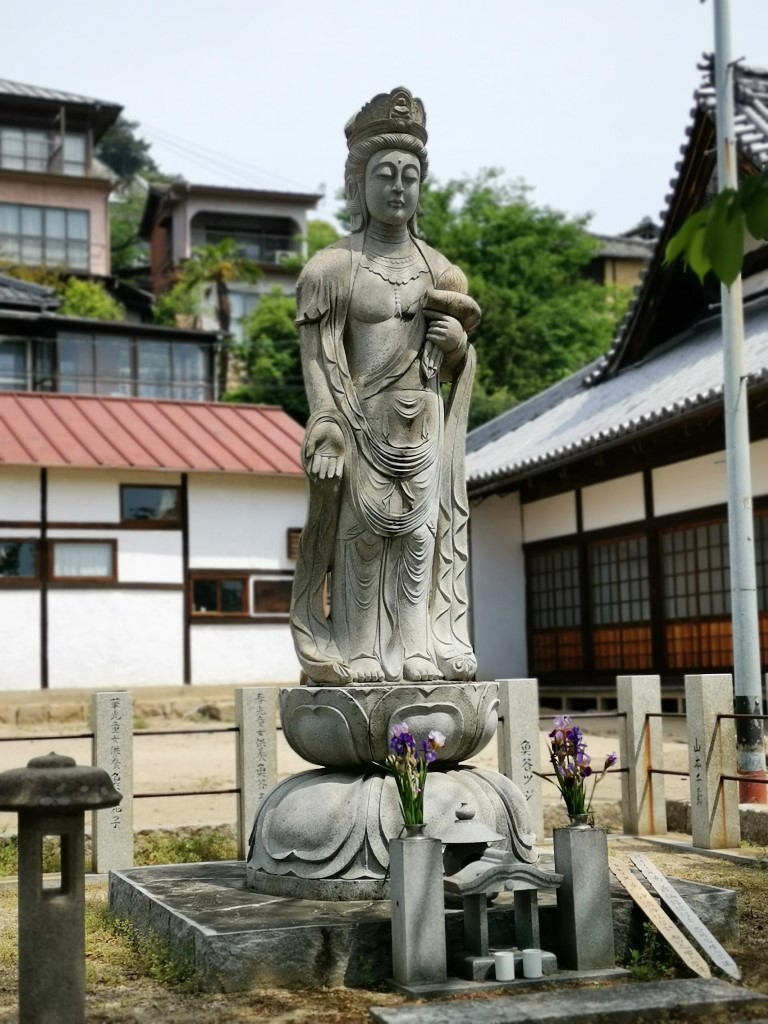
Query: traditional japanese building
{"points": [[599, 535]]}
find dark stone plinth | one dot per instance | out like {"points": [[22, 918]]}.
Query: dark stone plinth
{"points": [[683, 999], [239, 939]]}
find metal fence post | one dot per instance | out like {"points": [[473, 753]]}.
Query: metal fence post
{"points": [[256, 718], [641, 747], [711, 754], [112, 721], [518, 742]]}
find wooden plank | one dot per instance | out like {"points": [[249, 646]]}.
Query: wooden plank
{"points": [[687, 918], [659, 918]]}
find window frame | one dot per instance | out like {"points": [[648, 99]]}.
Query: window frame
{"points": [[152, 524], [75, 581], [23, 581], [271, 615], [70, 242], [213, 576]]}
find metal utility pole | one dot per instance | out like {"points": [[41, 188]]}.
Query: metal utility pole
{"points": [[741, 530]]}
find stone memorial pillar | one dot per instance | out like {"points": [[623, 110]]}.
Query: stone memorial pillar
{"points": [[584, 917]]}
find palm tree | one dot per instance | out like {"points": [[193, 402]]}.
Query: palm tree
{"points": [[218, 266]]}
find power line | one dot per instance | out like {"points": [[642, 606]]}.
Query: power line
{"points": [[205, 155]]}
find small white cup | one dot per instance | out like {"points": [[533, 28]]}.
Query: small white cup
{"points": [[504, 960], [531, 963]]}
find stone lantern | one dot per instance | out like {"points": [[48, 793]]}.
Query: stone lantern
{"points": [[51, 796], [465, 840]]}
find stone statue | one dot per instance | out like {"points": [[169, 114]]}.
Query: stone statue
{"points": [[383, 321]]}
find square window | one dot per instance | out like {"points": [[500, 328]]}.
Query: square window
{"points": [[204, 596], [150, 503], [272, 595], [224, 595], [18, 559], [232, 596], [76, 559]]}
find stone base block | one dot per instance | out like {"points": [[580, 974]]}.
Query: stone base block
{"points": [[240, 940]]}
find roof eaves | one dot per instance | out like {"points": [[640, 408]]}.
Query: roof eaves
{"points": [[752, 140]]}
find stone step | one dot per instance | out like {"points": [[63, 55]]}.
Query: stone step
{"points": [[691, 998]]}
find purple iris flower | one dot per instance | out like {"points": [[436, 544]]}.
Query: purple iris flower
{"points": [[401, 740]]}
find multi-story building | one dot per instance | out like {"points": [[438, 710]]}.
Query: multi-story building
{"points": [[269, 228], [53, 192]]}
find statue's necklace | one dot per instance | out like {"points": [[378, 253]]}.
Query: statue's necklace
{"points": [[397, 270]]}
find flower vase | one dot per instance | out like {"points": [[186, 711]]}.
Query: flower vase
{"points": [[414, 831], [579, 821]]}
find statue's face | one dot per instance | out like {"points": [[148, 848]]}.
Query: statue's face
{"points": [[392, 180]]}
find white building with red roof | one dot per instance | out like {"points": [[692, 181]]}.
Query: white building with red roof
{"points": [[146, 542]]}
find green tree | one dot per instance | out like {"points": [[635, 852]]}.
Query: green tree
{"points": [[270, 357], [89, 299], [216, 267], [127, 250], [178, 301], [542, 319], [320, 234], [122, 151]]}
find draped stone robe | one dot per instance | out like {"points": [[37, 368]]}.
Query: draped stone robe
{"points": [[426, 479]]}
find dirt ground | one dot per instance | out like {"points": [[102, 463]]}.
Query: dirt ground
{"points": [[200, 760]]}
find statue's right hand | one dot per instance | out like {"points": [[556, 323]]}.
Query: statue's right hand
{"points": [[324, 451]]}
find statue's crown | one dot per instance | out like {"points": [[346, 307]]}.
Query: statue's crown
{"points": [[397, 111]]}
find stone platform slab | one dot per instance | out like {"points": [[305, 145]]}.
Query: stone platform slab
{"points": [[239, 939], [683, 999]]}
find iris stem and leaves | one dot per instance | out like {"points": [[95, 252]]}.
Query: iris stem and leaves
{"points": [[409, 763], [573, 766]]}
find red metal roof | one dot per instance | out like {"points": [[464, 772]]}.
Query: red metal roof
{"points": [[88, 431]]}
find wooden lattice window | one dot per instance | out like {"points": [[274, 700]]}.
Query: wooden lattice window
{"points": [[554, 603], [619, 590]]}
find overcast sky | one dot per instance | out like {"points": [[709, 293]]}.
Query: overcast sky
{"points": [[586, 100]]}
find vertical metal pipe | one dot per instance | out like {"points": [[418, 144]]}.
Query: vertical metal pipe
{"points": [[746, 641]]}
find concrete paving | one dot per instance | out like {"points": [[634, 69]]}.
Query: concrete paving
{"points": [[691, 999]]}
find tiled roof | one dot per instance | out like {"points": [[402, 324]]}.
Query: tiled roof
{"points": [[37, 92], [569, 419], [87, 431], [23, 101], [751, 126], [14, 292], [620, 247]]}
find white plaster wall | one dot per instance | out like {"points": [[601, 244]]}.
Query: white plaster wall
{"points": [[693, 483], [20, 493], [498, 588], [149, 556], [613, 502], [115, 638], [697, 483], [241, 522], [550, 517], [93, 495], [262, 653], [20, 629]]}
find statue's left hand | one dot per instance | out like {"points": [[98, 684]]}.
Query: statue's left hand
{"points": [[446, 333]]}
